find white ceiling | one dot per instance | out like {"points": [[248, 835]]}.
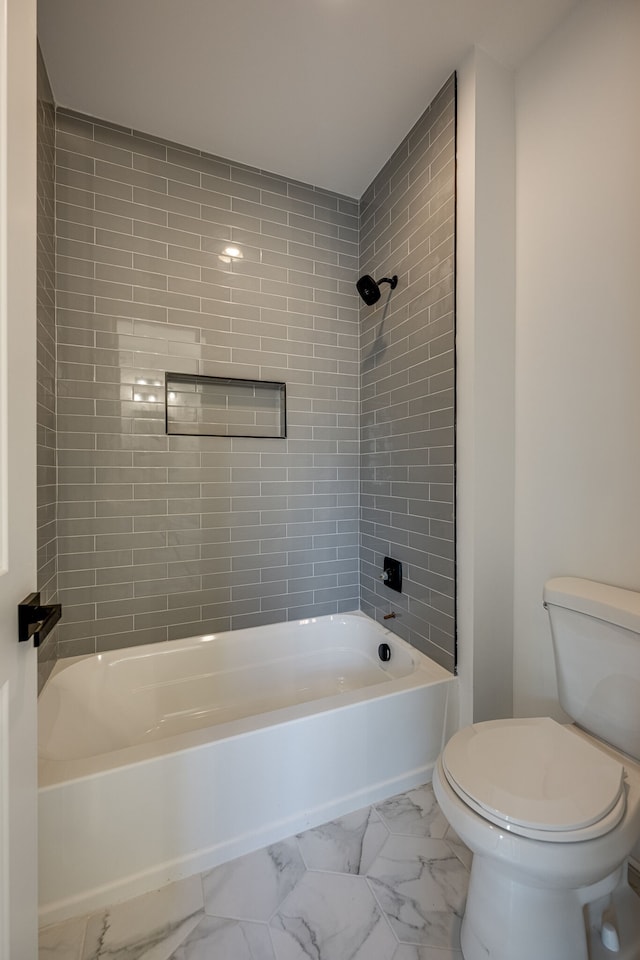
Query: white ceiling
{"points": [[317, 90]]}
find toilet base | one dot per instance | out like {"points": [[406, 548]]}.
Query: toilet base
{"points": [[506, 919]]}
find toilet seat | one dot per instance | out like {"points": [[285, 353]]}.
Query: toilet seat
{"points": [[537, 779]]}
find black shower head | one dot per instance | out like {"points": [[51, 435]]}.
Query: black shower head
{"points": [[369, 290]]}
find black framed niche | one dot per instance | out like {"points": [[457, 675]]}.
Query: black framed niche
{"points": [[198, 406]]}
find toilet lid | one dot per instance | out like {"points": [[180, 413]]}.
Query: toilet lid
{"points": [[534, 776]]}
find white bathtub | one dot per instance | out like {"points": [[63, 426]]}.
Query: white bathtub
{"points": [[161, 761]]}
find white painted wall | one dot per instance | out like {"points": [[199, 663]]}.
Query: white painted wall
{"points": [[577, 488], [485, 386]]}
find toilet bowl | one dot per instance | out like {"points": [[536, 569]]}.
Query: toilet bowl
{"points": [[539, 888], [551, 811]]}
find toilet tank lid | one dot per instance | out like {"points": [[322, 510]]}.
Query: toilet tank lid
{"points": [[600, 600]]}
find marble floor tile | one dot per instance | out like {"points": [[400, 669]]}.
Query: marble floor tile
{"points": [[62, 941], [331, 917], [410, 952], [217, 937], [346, 845], [254, 886], [377, 884], [149, 927], [415, 813], [421, 887]]}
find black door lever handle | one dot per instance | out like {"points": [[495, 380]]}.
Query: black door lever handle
{"points": [[35, 619]]}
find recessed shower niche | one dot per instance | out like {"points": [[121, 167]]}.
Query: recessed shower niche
{"points": [[225, 406]]}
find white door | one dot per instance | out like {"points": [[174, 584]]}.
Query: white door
{"points": [[18, 868]]}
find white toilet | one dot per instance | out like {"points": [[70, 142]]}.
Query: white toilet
{"points": [[552, 812]]}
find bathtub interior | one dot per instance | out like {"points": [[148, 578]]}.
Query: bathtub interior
{"points": [[141, 695]]}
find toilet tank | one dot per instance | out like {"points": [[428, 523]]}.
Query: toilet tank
{"points": [[596, 641]]}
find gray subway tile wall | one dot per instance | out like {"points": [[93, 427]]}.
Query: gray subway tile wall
{"points": [[407, 224], [47, 569], [162, 536]]}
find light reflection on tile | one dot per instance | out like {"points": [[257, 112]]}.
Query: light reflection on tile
{"points": [[346, 845], [252, 887], [233, 939], [407, 952], [62, 941]]}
